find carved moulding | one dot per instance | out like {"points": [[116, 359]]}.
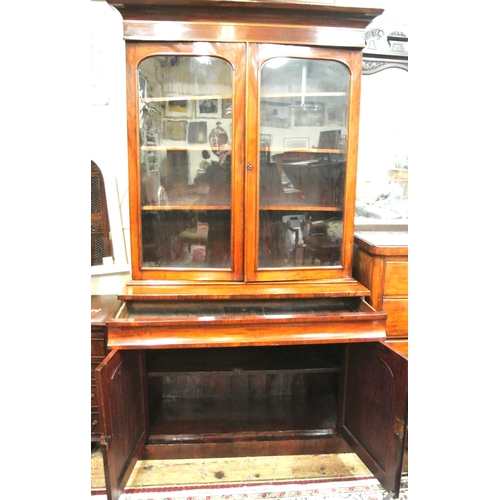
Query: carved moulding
{"points": [[384, 51]]}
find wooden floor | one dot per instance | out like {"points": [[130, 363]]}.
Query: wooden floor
{"points": [[244, 469]]}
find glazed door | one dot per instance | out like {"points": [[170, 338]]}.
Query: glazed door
{"points": [[121, 392], [301, 141], [373, 409], [186, 160], [242, 161]]}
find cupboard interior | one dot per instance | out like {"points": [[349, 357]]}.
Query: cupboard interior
{"points": [[266, 393]]}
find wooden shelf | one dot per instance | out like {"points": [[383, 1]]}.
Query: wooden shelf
{"points": [[301, 208], [192, 205], [281, 95], [201, 420], [269, 393], [249, 360], [186, 98], [273, 150]]}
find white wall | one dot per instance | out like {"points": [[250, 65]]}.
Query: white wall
{"points": [[108, 138]]}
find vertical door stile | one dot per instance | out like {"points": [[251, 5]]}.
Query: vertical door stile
{"points": [[355, 67], [239, 159], [252, 160]]}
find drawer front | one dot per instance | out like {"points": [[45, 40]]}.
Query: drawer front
{"points": [[97, 347], [93, 365], [396, 279], [397, 317]]}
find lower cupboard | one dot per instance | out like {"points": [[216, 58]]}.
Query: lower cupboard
{"points": [[254, 400]]}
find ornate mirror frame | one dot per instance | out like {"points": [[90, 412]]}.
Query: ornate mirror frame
{"points": [[385, 49]]}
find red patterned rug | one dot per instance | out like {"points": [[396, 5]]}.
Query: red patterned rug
{"points": [[328, 489]]}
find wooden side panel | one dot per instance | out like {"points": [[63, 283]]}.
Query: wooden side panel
{"points": [[121, 391], [370, 273], [363, 268], [373, 409]]}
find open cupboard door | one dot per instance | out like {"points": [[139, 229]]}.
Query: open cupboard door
{"points": [[121, 393], [373, 409]]}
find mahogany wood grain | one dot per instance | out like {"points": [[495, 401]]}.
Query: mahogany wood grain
{"points": [[397, 317], [354, 321], [374, 422], [122, 408], [247, 448], [246, 53], [399, 346], [272, 12], [234, 53], [157, 290], [102, 307], [381, 264]]}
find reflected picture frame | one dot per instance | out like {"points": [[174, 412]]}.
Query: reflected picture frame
{"points": [[294, 143], [275, 114], [208, 108], [175, 130], [178, 108]]}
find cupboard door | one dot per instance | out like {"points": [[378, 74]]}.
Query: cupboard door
{"points": [[187, 163], [303, 107], [373, 409], [121, 392]]}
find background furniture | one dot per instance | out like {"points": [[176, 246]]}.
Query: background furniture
{"points": [[102, 307], [381, 264], [100, 231]]}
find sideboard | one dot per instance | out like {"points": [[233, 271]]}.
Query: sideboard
{"points": [[381, 264]]}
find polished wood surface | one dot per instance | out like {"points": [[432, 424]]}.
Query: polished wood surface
{"points": [[121, 393], [273, 12], [102, 308], [381, 264], [151, 290], [385, 242], [378, 437], [246, 59], [399, 346], [199, 324]]}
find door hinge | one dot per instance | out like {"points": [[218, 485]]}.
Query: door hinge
{"points": [[399, 428], [104, 440]]}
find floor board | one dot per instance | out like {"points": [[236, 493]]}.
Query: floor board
{"points": [[241, 469]]}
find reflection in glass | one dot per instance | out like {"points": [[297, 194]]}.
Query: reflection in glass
{"points": [[382, 178], [303, 136], [185, 161]]}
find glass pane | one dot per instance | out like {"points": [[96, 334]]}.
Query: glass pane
{"points": [[303, 136], [185, 124]]}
